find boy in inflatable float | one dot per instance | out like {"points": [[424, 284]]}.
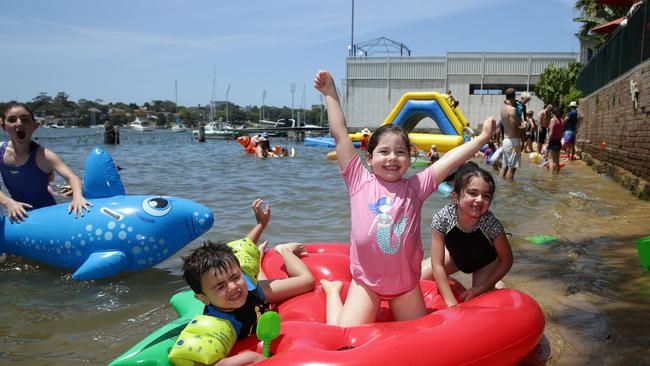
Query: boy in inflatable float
{"points": [[224, 277]]}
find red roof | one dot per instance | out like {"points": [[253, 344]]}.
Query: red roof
{"points": [[608, 27], [618, 2]]}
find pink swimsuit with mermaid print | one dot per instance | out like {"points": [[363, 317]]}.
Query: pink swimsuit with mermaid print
{"points": [[386, 248]]}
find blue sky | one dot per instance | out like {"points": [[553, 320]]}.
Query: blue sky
{"points": [[134, 51]]}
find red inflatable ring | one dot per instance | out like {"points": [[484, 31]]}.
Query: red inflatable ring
{"points": [[498, 328]]}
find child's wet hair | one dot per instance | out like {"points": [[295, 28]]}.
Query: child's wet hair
{"points": [[468, 171], [385, 130], [218, 256], [17, 105]]}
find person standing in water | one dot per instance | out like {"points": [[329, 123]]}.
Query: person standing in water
{"points": [[26, 168]]}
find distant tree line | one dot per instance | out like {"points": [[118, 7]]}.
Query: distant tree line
{"points": [[84, 112]]}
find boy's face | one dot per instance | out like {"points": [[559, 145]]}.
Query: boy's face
{"points": [[226, 291], [19, 125]]}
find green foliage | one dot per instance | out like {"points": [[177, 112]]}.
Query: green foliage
{"points": [[557, 86], [121, 113], [593, 14], [163, 106], [188, 116], [573, 95], [119, 118]]}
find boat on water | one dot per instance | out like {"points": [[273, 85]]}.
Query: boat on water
{"points": [[54, 125], [140, 126], [213, 130], [179, 126]]}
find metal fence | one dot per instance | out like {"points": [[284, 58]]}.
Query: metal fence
{"points": [[628, 47]]}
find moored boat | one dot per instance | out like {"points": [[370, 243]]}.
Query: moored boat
{"points": [[140, 126]]}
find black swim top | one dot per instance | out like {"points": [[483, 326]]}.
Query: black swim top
{"points": [[469, 251], [26, 183]]}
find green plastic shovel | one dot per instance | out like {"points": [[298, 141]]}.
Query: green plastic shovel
{"points": [[268, 329]]}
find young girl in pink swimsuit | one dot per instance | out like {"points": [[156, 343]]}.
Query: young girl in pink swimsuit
{"points": [[386, 249]]}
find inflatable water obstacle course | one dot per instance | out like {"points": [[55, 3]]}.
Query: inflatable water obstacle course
{"points": [[408, 112]]}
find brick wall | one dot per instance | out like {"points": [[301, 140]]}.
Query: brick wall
{"points": [[613, 136]]}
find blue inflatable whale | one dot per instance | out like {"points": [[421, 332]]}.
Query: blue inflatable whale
{"points": [[120, 233]]}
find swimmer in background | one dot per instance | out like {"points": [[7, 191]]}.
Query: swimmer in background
{"points": [[263, 146], [26, 167], [433, 154], [414, 151], [488, 153]]}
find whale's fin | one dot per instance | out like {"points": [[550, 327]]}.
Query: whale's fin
{"points": [[101, 265], [101, 178]]}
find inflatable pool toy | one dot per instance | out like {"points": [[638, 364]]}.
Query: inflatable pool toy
{"points": [[279, 152], [206, 339], [534, 157], [276, 151], [326, 142], [120, 233], [248, 256], [304, 339], [643, 248], [444, 189], [408, 112], [414, 106], [247, 143], [441, 337], [419, 163], [542, 239]]}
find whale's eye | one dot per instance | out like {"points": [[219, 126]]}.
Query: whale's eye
{"points": [[156, 206]]}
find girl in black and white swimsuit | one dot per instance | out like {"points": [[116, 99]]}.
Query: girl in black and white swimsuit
{"points": [[468, 237]]}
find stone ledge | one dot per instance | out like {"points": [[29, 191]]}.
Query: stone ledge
{"points": [[637, 186]]}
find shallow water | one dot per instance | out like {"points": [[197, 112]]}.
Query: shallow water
{"points": [[589, 284]]}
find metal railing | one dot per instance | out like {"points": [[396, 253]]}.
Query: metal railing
{"points": [[628, 47]]}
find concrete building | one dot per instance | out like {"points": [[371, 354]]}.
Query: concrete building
{"points": [[374, 85]]}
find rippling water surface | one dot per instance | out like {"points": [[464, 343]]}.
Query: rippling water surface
{"points": [[589, 284]]}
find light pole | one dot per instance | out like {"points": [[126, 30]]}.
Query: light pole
{"points": [[293, 91], [263, 103], [302, 104], [352, 48], [320, 96], [175, 95], [227, 92]]}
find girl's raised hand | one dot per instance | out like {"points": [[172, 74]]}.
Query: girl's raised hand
{"points": [[489, 126], [324, 83]]}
